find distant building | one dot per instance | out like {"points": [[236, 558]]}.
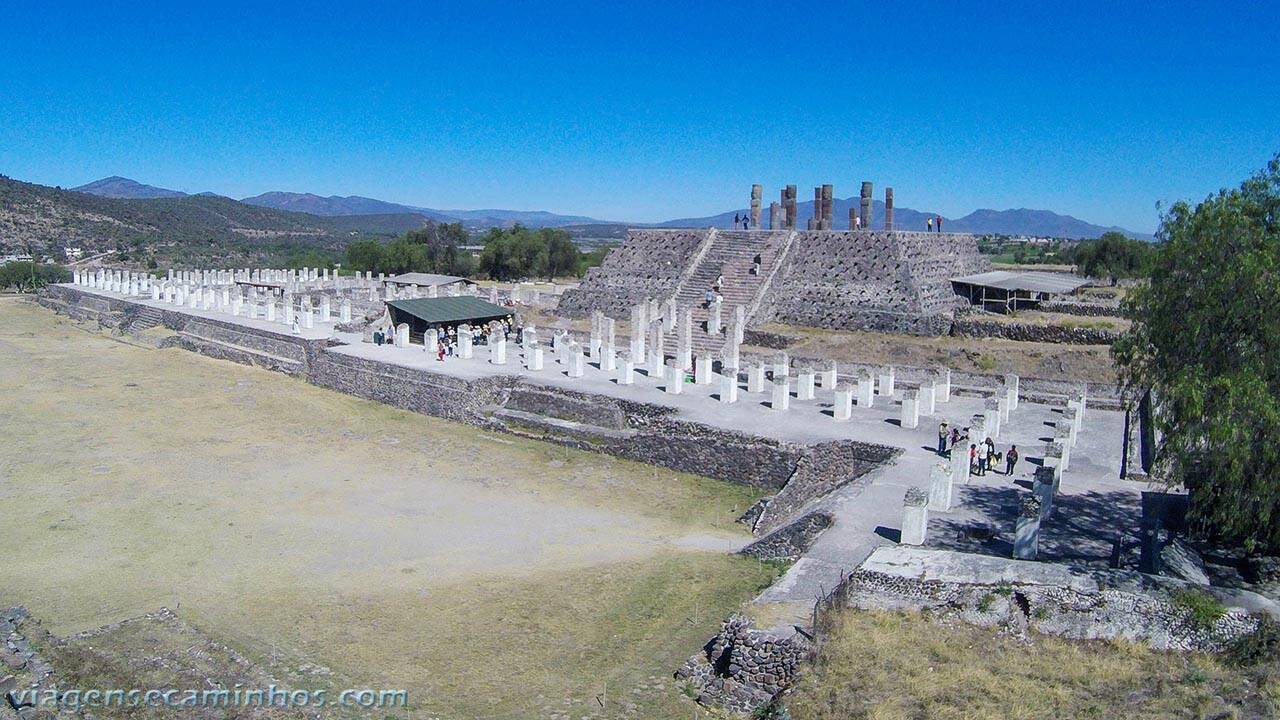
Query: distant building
{"points": [[4, 259], [74, 253]]}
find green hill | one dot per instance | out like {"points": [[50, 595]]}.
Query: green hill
{"points": [[205, 228]]}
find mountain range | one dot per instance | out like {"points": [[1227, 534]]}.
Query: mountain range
{"points": [[1022, 221]]}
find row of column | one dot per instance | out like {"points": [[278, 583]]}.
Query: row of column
{"points": [[783, 214]]}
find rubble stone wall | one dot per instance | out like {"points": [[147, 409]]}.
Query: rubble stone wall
{"points": [[647, 265]]}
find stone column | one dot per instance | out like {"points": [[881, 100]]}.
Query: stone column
{"points": [[781, 398], [729, 388], [789, 206], [626, 370], [684, 339], [843, 407], [308, 317], [888, 209], [978, 429], [915, 516], [638, 325], [1069, 421], [828, 376], [776, 221], [757, 194], [344, 310], [657, 359], [594, 342], [815, 223], [702, 370], [713, 318], [739, 323], [1043, 488], [755, 378], [910, 409], [781, 365], [533, 356], [944, 385], [991, 411], [498, 351], [853, 218], [576, 360], [940, 488], [960, 463], [271, 310], [1026, 534], [1011, 384], [1002, 404], [804, 384], [1062, 436], [866, 389], [1053, 457], [674, 379], [865, 199], [402, 335], [466, 348], [886, 381], [828, 209], [928, 398]]}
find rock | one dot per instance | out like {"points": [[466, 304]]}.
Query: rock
{"points": [[1180, 560]]}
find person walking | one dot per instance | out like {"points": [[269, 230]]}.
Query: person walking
{"points": [[1010, 459], [943, 432], [983, 457]]}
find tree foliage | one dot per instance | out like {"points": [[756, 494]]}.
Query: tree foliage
{"points": [[435, 248], [518, 252], [1112, 256], [29, 276], [1206, 342]]}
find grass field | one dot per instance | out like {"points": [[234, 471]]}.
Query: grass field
{"points": [[888, 666], [488, 575]]}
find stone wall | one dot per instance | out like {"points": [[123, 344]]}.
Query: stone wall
{"points": [[823, 468], [648, 265], [881, 281], [1049, 598], [1069, 307], [742, 668], [1028, 332], [792, 541]]}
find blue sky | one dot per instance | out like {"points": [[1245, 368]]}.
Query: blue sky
{"points": [[649, 111]]}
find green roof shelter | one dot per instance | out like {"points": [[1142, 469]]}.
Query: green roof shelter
{"points": [[422, 314]]}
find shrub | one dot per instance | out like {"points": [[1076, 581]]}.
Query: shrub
{"points": [[1203, 608]]}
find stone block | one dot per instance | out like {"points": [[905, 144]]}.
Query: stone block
{"points": [[780, 399], [1026, 534], [915, 516], [910, 409], [729, 388], [940, 495], [804, 384], [843, 406]]}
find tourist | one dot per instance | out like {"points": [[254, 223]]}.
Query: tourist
{"points": [[942, 437], [983, 458], [955, 437], [736, 221], [440, 352], [857, 222], [1010, 459], [939, 223], [377, 338], [710, 296], [930, 224], [973, 459], [719, 283], [991, 454]]}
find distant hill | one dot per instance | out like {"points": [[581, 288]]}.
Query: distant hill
{"points": [[337, 205], [209, 226], [126, 189], [1040, 223]]}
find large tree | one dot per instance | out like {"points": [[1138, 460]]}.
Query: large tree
{"points": [[1206, 342]]}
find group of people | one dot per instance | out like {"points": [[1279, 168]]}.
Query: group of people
{"points": [[713, 293], [446, 336], [934, 223], [983, 455], [744, 221]]}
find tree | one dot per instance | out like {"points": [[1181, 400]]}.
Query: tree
{"points": [[1206, 342], [29, 276], [1114, 256]]}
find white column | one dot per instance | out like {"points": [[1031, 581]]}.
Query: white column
{"points": [[940, 488], [497, 350], [992, 414], [804, 384], [674, 379], [886, 381], [828, 377], [702, 370], [915, 516], [960, 462], [928, 398], [684, 340], [713, 319], [466, 342], [576, 359], [344, 311], [843, 407], [626, 370], [910, 409], [866, 389], [781, 398], [1012, 384], [729, 388], [657, 360], [326, 312], [755, 378], [402, 335], [533, 356]]}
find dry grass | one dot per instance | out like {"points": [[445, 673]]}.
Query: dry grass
{"points": [[888, 666], [305, 526], [1091, 363]]}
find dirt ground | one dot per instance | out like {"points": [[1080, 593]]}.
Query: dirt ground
{"points": [[1091, 363], [488, 575]]}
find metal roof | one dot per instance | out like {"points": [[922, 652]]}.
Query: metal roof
{"points": [[416, 278], [450, 309], [1045, 282]]}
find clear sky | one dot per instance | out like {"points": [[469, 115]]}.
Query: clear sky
{"points": [[647, 110]]}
